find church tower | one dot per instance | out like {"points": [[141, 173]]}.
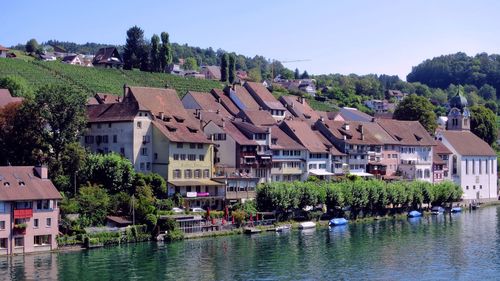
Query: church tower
{"points": [[459, 115]]}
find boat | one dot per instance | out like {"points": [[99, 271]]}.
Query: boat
{"points": [[338, 221], [252, 230], [414, 214], [307, 224], [456, 210], [474, 205], [283, 228], [437, 210]]}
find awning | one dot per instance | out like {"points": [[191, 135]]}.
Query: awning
{"points": [[361, 174], [320, 172], [265, 157], [200, 182]]}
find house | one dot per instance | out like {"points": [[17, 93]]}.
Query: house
{"points": [[299, 108], [241, 97], [380, 106], [415, 148], [352, 114], [29, 210], [47, 57], [307, 86], [289, 157], [72, 59], [175, 69], [103, 98], [239, 187], [211, 72], [473, 161], [440, 163], [108, 57], [3, 51], [318, 155], [226, 101], [257, 117], [194, 74], [397, 95], [242, 75], [204, 102], [6, 98], [266, 100]]}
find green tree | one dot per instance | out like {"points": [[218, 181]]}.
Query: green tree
{"points": [[165, 52], [231, 69], [133, 52], [31, 46], [417, 108], [154, 55], [17, 86], [304, 75], [487, 92], [483, 123], [296, 74], [190, 64], [491, 105], [93, 202], [254, 74], [224, 64]]}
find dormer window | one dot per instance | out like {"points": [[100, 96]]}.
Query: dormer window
{"points": [[274, 141], [171, 128], [419, 138], [179, 119], [192, 129], [21, 183], [6, 184]]}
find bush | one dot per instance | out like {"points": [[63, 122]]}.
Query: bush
{"points": [[239, 217]]}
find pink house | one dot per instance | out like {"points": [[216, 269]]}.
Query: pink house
{"points": [[28, 210]]}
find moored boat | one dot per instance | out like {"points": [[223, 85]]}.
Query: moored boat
{"points": [[338, 221], [414, 214], [283, 228], [437, 210], [456, 209], [307, 224]]}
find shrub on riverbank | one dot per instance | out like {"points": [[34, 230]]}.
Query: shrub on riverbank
{"points": [[372, 197]]}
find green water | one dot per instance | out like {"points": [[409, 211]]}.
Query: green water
{"points": [[447, 247]]}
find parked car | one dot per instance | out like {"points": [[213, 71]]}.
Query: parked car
{"points": [[177, 210], [197, 210]]}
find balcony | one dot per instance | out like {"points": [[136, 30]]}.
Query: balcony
{"points": [[20, 229], [23, 213], [238, 195]]}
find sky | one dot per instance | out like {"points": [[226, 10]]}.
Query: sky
{"points": [[336, 36]]}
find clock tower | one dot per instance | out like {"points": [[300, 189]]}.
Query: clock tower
{"points": [[459, 115]]}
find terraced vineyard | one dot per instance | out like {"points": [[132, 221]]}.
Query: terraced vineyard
{"points": [[93, 80]]}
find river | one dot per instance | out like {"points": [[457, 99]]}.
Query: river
{"points": [[446, 247]]}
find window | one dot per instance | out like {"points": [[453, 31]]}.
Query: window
{"points": [[115, 138], [109, 125], [139, 125], [148, 166], [146, 139], [312, 166], [487, 164], [144, 151], [197, 173], [2, 207], [19, 242], [156, 156], [188, 174], [3, 243], [2, 225], [142, 166], [191, 157], [389, 156], [473, 166], [183, 157], [35, 223], [192, 145], [394, 156], [176, 156], [49, 222], [480, 166], [122, 150], [480, 186], [177, 174], [466, 166], [206, 173], [105, 139], [201, 157], [427, 173], [42, 240], [179, 145], [200, 146], [219, 137], [98, 125], [89, 139], [322, 166], [467, 187]]}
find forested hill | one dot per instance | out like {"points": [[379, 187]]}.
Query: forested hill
{"points": [[459, 69]]}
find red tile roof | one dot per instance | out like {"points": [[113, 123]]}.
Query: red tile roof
{"points": [[243, 96], [368, 133], [333, 150], [2, 48], [257, 117], [468, 144], [6, 97], [263, 96], [283, 141], [34, 187], [302, 133], [300, 108], [440, 148], [112, 112], [407, 132], [225, 101], [208, 102]]}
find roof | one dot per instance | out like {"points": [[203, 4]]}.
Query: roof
{"points": [[243, 96], [283, 141], [406, 132], [119, 220], [302, 133], [240, 138], [263, 96], [112, 112], [101, 98], [108, 55], [225, 101], [69, 58], [440, 148], [327, 143], [214, 70], [2, 48], [34, 187], [194, 182], [208, 102], [468, 144], [249, 128], [299, 107], [257, 117], [179, 132], [6, 97], [368, 133], [352, 114]]}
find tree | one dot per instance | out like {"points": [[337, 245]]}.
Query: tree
{"points": [[134, 50], [93, 202], [254, 74], [487, 92], [154, 55], [296, 74], [17, 86], [304, 75], [483, 123], [417, 108], [231, 69], [224, 63], [491, 105], [190, 64], [31, 46], [165, 52]]}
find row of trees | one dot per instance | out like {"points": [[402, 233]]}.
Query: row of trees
{"points": [[153, 56], [373, 197]]}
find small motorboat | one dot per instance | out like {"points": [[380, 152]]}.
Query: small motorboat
{"points": [[456, 210], [283, 228], [338, 221], [414, 214], [437, 210], [307, 225]]}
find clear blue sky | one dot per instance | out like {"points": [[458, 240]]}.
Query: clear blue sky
{"points": [[337, 36]]}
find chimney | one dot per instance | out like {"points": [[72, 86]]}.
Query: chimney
{"points": [[321, 119], [41, 171], [218, 111], [346, 126], [162, 116], [125, 87], [218, 100], [223, 123], [301, 99], [361, 131], [293, 105], [197, 113]]}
